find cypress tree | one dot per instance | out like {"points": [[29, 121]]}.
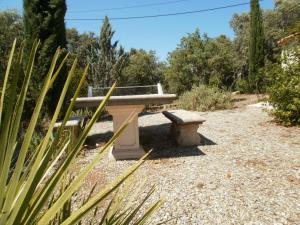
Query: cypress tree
{"points": [[44, 20], [107, 59], [256, 46]]}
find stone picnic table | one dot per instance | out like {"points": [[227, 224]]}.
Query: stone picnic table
{"points": [[127, 146]]}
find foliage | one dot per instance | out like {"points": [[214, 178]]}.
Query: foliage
{"points": [[256, 46], [33, 189], [295, 28], [11, 27], [277, 21], [85, 112], [284, 90], [106, 59], [81, 44], [44, 20], [76, 79], [240, 25], [287, 12], [221, 62], [205, 98], [201, 60], [187, 64], [143, 69]]}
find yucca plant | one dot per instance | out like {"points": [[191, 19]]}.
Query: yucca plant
{"points": [[30, 182]]}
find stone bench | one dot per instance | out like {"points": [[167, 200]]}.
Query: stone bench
{"points": [[74, 124], [184, 126]]}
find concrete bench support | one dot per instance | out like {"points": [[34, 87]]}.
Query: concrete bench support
{"points": [[184, 126], [127, 146], [74, 125]]}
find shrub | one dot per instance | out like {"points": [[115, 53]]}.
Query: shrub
{"points": [[284, 91], [242, 86], [204, 98], [33, 187]]}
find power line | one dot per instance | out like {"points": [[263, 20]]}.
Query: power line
{"points": [[129, 7], [164, 15]]}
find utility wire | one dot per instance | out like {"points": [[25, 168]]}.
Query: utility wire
{"points": [[164, 15], [128, 7]]}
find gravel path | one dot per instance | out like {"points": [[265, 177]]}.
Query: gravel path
{"points": [[247, 171]]}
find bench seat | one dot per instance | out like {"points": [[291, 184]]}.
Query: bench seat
{"points": [[74, 124], [184, 126]]}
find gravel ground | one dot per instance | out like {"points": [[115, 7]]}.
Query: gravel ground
{"points": [[247, 170]]}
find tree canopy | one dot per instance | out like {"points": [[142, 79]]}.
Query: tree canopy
{"points": [[143, 69], [186, 64], [11, 24], [201, 60], [256, 47], [44, 20], [106, 58]]}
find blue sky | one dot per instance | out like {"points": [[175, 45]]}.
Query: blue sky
{"points": [[160, 34]]}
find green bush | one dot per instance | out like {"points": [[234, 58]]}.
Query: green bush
{"points": [[204, 98], [284, 91], [258, 86], [242, 86]]}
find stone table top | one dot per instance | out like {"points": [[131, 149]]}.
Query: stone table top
{"points": [[126, 100]]}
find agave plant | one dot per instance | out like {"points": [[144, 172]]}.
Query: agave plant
{"points": [[29, 182]]}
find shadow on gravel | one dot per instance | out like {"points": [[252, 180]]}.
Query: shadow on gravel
{"points": [[175, 152], [98, 139], [157, 138], [206, 141], [238, 99]]}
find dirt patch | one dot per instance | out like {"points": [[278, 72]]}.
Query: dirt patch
{"points": [[242, 100], [256, 163], [293, 180]]}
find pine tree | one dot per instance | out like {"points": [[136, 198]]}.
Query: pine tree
{"points": [[107, 60], [256, 47], [44, 20]]}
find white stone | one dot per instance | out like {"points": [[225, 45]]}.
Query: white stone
{"points": [[262, 105], [73, 124], [183, 117], [186, 135], [127, 145], [184, 127]]}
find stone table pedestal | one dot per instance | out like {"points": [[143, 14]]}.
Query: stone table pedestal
{"points": [[127, 146]]}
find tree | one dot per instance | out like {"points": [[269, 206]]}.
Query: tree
{"points": [[44, 20], [11, 27], [287, 13], [106, 59], [143, 68], [240, 24], [284, 89], [221, 62], [295, 28], [202, 60], [81, 45], [277, 21], [256, 46], [187, 65]]}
